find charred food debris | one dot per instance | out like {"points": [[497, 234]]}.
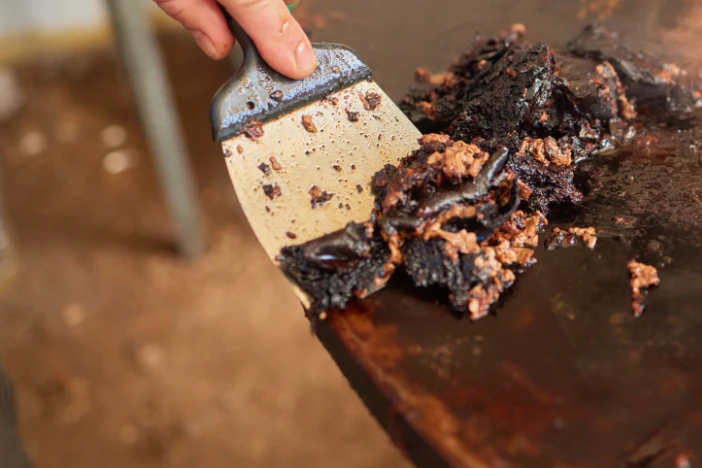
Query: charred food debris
{"points": [[318, 196], [252, 129], [565, 238], [308, 123], [504, 129], [272, 191], [370, 100], [641, 278]]}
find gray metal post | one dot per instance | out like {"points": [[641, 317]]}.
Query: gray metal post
{"points": [[147, 76]]}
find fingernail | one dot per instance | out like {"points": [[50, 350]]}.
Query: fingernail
{"points": [[304, 57], [205, 44]]}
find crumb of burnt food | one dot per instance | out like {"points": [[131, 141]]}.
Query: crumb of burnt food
{"points": [[291, 235], [275, 164], [504, 129], [272, 191], [565, 238], [336, 167], [352, 116], [587, 235], [308, 123], [641, 278], [265, 168], [624, 220], [318, 196], [332, 100], [359, 188], [370, 100], [252, 129]]}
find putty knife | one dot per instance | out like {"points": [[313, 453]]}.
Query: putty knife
{"points": [[301, 153]]}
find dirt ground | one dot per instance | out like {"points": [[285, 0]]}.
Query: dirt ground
{"points": [[125, 355]]}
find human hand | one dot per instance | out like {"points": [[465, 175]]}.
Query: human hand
{"points": [[279, 38]]}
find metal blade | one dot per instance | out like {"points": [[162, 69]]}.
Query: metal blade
{"points": [[339, 158]]}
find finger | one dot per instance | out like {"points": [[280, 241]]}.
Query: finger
{"points": [[204, 19], [279, 38]]}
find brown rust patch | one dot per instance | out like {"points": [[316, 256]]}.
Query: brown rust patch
{"points": [[378, 349]]}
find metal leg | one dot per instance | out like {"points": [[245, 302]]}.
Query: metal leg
{"points": [[148, 80], [8, 257]]}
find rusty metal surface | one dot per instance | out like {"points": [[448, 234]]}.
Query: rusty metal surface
{"points": [[562, 375]]}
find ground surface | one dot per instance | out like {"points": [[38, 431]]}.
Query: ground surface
{"points": [[124, 355]]}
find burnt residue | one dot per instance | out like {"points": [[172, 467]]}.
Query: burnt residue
{"points": [[352, 116], [370, 100], [339, 266], [271, 191], [469, 191], [308, 123], [662, 89], [339, 250], [514, 131], [265, 168], [476, 237], [566, 238], [319, 197], [253, 129]]}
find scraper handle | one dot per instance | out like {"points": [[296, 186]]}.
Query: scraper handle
{"points": [[248, 48], [247, 45], [257, 92]]}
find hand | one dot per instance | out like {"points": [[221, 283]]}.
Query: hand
{"points": [[277, 35]]}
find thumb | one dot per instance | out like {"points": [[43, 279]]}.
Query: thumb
{"points": [[278, 36]]}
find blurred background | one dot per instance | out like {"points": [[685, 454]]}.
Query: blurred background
{"points": [[124, 352], [144, 327]]}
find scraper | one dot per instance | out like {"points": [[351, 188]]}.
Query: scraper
{"points": [[301, 153]]}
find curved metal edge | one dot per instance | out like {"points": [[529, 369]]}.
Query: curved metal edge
{"points": [[336, 339], [258, 92]]}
